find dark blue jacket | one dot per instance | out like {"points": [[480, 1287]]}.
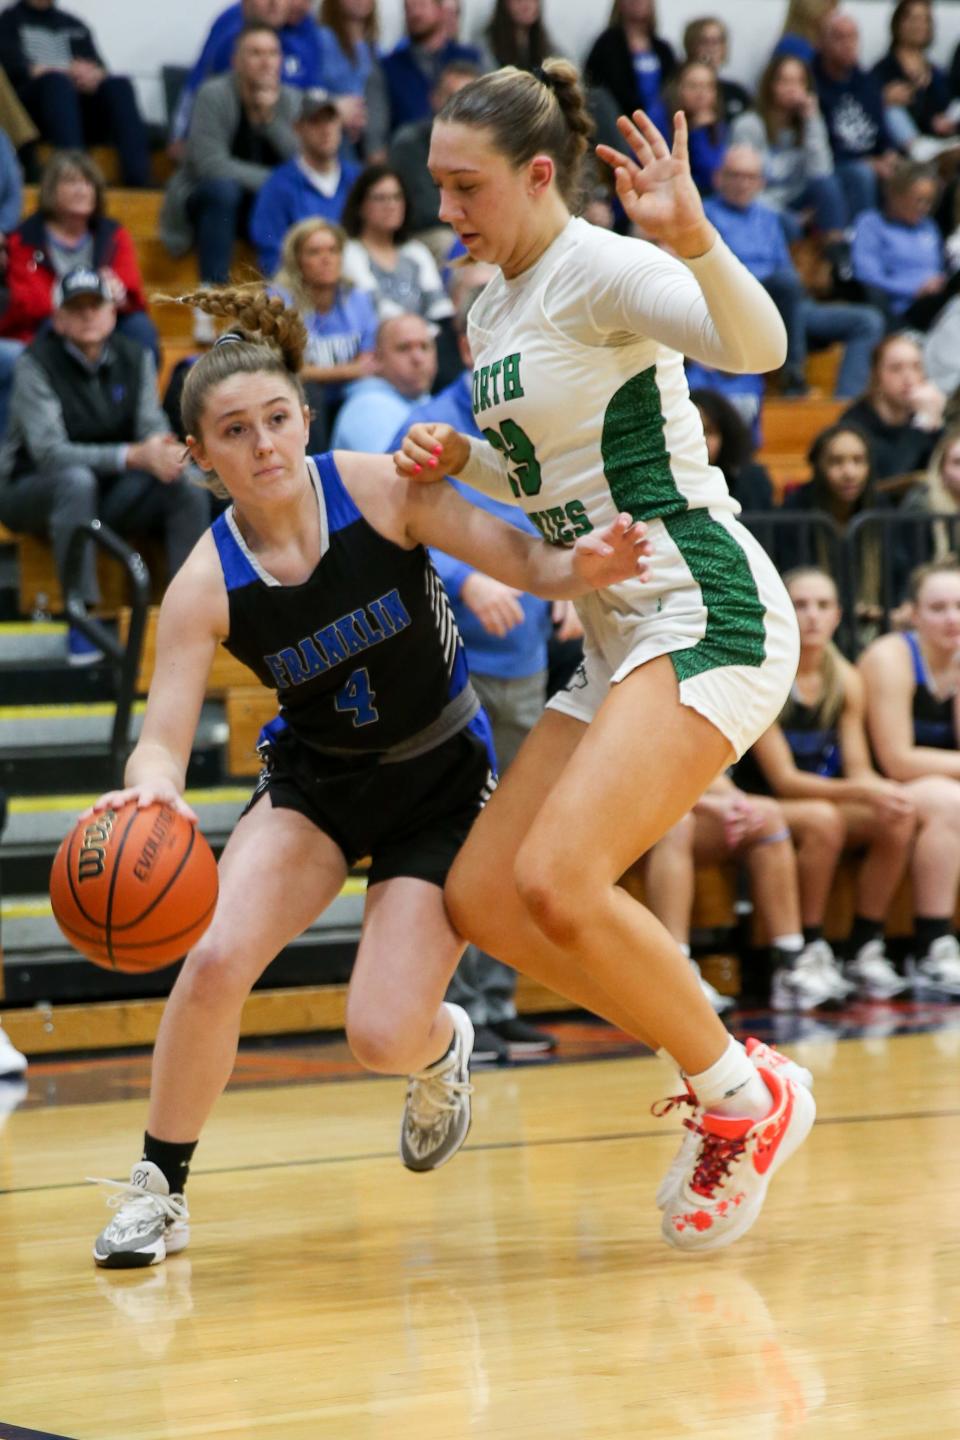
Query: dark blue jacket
{"points": [[853, 111], [410, 77]]}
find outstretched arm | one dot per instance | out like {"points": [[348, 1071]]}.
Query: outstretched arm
{"points": [[430, 451], [709, 307]]}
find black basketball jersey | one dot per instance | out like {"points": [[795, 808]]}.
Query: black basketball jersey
{"points": [[364, 655], [933, 719], [815, 747]]}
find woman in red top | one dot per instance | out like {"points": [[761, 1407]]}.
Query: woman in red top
{"points": [[68, 229]]}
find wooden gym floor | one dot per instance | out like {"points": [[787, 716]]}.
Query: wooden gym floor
{"points": [[523, 1291]]}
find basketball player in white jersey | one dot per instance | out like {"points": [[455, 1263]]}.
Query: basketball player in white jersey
{"points": [[579, 389]]}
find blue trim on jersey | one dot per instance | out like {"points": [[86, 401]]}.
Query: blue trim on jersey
{"points": [[237, 570], [481, 727], [341, 510], [272, 731], [817, 752], [919, 669]]}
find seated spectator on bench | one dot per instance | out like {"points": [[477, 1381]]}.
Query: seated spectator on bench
{"points": [[788, 132], [53, 61], [399, 273], [706, 41], [901, 412], [412, 67], [517, 35], [341, 322], [300, 45], [350, 69], [938, 493], [315, 182], [897, 254], [816, 761], [242, 128], [694, 90], [409, 150], [910, 681], [405, 361], [633, 62], [841, 487], [728, 825], [864, 152], [729, 447], [916, 92], [755, 235], [87, 440], [69, 228], [801, 28]]}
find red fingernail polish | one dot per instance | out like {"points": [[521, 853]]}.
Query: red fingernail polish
{"points": [[438, 449], [432, 462], [417, 469]]}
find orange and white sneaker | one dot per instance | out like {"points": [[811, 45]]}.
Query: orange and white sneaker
{"points": [[730, 1168], [761, 1054]]}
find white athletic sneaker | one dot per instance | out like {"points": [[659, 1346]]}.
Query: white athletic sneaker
{"points": [[806, 984], [718, 1002], [829, 966], [11, 1061], [722, 1192], [436, 1115], [760, 1054], [149, 1225], [939, 970], [873, 973]]}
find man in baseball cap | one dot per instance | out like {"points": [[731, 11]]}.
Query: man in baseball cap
{"points": [[316, 182]]}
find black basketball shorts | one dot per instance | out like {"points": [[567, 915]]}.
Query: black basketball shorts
{"points": [[410, 817]]}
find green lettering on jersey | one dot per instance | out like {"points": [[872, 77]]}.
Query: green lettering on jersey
{"points": [[561, 526], [486, 380], [512, 388]]}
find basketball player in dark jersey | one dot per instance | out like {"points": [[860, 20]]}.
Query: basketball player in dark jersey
{"points": [[817, 762], [912, 684], [317, 578]]}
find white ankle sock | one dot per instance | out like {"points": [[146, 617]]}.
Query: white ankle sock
{"points": [[732, 1086], [668, 1059], [792, 943]]}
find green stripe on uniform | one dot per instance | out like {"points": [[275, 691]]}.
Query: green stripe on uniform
{"points": [[636, 463]]}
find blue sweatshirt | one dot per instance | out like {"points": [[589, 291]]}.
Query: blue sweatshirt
{"points": [[410, 75], [300, 44], [894, 257], [338, 73], [289, 195], [523, 650], [754, 234]]}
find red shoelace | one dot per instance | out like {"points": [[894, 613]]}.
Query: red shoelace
{"points": [[717, 1154]]}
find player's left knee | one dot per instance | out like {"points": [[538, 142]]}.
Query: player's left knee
{"points": [[376, 1044], [551, 897]]}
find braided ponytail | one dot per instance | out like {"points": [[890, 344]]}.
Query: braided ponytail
{"points": [[273, 338], [529, 114]]}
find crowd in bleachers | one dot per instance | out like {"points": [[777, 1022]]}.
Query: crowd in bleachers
{"points": [[299, 147]]}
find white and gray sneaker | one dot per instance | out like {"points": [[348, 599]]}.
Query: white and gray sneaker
{"points": [[760, 1054], [11, 1061], [719, 1003], [874, 974], [939, 970], [149, 1225], [822, 954], [808, 982], [436, 1114]]}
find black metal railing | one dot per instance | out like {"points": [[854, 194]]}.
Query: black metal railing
{"points": [[124, 654]]}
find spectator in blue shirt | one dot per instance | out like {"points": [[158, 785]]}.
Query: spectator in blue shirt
{"points": [[11, 187], [314, 182], [341, 322], [695, 91], [299, 45], [897, 253], [852, 106], [350, 68], [632, 62], [801, 28], [505, 636], [755, 235], [406, 363], [412, 67]]}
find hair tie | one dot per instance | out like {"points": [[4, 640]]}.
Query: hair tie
{"points": [[230, 337], [540, 74]]}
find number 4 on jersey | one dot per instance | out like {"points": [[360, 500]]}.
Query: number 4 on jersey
{"points": [[357, 697], [516, 446]]}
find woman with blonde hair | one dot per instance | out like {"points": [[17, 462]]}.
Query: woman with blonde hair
{"points": [[340, 320], [801, 28]]}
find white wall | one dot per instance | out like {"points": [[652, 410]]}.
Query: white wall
{"points": [[138, 36]]}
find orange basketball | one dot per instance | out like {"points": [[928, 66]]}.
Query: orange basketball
{"points": [[134, 889]]}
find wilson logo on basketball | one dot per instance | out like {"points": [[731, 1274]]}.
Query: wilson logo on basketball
{"points": [[95, 838], [153, 843]]}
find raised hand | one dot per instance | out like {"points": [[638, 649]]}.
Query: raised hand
{"points": [[616, 553], [656, 188], [160, 792]]}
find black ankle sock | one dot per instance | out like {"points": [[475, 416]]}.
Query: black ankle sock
{"points": [[812, 933], [172, 1160], [863, 932], [928, 928]]}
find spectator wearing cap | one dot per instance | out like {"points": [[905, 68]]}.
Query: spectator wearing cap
{"points": [[53, 62], [405, 360], [409, 151], [314, 182], [411, 69], [242, 128], [300, 45], [87, 439], [69, 228]]}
